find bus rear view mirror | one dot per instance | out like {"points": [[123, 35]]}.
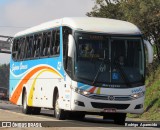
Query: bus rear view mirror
{"points": [[150, 51], [71, 46]]}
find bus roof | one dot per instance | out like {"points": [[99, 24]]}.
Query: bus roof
{"points": [[88, 24]]}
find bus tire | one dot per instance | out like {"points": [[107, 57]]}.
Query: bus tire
{"points": [[60, 114], [120, 118], [25, 108]]}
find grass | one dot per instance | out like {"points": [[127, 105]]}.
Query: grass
{"points": [[152, 99]]}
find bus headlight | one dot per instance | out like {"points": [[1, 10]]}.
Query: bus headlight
{"points": [[81, 91], [137, 95]]}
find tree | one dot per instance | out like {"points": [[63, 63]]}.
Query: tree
{"points": [[106, 9], [4, 76], [144, 13]]}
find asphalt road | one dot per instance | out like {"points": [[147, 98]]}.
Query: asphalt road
{"points": [[10, 112]]}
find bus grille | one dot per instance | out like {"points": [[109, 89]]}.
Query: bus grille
{"points": [[109, 97], [108, 105]]}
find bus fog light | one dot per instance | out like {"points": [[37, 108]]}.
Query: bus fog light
{"points": [[139, 106], [79, 103]]}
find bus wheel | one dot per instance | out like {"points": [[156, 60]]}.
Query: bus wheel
{"points": [[120, 118], [25, 108], [59, 113]]}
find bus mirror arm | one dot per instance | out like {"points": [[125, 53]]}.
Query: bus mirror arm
{"points": [[150, 51], [71, 46]]}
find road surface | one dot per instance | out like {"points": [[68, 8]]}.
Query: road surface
{"points": [[10, 112]]}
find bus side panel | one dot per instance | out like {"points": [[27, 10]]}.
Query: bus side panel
{"points": [[42, 86], [37, 77]]}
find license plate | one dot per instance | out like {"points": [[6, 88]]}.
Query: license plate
{"points": [[110, 110]]}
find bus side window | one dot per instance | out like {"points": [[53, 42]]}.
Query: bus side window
{"points": [[19, 48], [39, 45], [37, 41], [34, 46], [22, 51], [31, 45], [45, 46], [28, 49], [42, 45], [55, 44], [48, 44], [15, 49], [44, 49], [51, 43], [57, 41]]}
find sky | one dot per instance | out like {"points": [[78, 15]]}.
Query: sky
{"points": [[18, 15]]}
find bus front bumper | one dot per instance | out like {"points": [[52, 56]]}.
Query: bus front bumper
{"points": [[85, 104]]}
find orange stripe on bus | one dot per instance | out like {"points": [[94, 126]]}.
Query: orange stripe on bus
{"points": [[19, 88]]}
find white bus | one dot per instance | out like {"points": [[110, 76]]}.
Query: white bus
{"points": [[78, 66]]}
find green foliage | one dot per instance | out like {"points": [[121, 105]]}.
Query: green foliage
{"points": [[106, 10], [152, 100], [4, 76]]}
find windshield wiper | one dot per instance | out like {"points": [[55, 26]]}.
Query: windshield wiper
{"points": [[103, 59], [98, 72]]}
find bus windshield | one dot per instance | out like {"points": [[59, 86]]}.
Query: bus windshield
{"points": [[103, 60]]}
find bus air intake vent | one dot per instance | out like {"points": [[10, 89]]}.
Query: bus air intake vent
{"points": [[109, 105]]}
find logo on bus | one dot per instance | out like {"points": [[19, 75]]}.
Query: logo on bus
{"points": [[111, 98], [137, 90], [19, 67]]}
